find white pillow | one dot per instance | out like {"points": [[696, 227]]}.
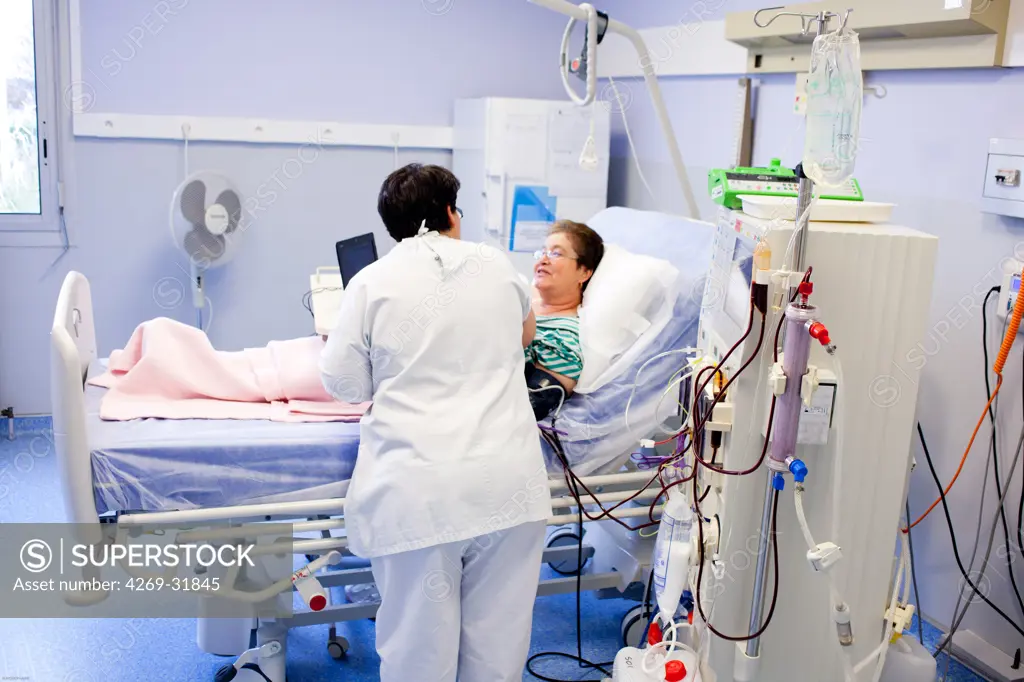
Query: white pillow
{"points": [[620, 303]]}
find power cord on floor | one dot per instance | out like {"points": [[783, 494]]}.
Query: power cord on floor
{"points": [[578, 658], [977, 539], [952, 535], [995, 451], [913, 573], [988, 550]]}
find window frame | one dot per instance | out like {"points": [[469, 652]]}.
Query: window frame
{"points": [[45, 37]]}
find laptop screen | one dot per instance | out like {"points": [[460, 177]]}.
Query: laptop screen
{"points": [[354, 255]]}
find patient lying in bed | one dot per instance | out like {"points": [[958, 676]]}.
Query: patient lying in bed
{"points": [[554, 358], [170, 370]]}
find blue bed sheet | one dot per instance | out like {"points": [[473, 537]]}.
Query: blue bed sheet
{"points": [[160, 465]]}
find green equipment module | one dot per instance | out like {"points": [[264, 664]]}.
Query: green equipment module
{"points": [[726, 186]]}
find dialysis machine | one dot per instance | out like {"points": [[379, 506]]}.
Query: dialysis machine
{"points": [[805, 393], [856, 399]]}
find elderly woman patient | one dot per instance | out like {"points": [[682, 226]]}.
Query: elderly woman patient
{"points": [[554, 358]]}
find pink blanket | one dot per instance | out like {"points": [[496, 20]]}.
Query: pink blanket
{"points": [[169, 370]]}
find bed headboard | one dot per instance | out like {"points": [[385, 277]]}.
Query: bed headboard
{"points": [[72, 348]]}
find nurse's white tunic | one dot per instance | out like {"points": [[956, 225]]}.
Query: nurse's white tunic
{"points": [[449, 450]]}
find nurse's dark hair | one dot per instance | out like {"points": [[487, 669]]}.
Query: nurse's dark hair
{"points": [[587, 244], [415, 193]]}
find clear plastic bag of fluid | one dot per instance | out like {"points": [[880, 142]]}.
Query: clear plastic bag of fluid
{"points": [[835, 93], [672, 552]]}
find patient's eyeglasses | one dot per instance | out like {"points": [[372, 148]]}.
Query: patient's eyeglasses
{"points": [[552, 254], [459, 211]]}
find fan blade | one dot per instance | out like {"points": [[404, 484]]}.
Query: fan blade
{"points": [[193, 202], [203, 248], [230, 201]]}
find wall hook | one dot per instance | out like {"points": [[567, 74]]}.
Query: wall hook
{"points": [[879, 91]]}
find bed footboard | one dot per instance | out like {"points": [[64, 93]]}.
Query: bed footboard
{"points": [[72, 348]]}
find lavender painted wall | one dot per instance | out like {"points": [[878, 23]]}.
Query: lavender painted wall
{"points": [[389, 61], [924, 148], [398, 61]]}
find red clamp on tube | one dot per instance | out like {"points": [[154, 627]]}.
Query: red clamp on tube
{"points": [[805, 289], [654, 635], [819, 332]]}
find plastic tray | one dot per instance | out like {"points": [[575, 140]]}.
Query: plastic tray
{"points": [[824, 210]]}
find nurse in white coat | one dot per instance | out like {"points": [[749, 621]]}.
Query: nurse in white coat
{"points": [[449, 498]]}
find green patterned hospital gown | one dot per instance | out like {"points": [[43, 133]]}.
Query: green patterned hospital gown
{"points": [[556, 346]]}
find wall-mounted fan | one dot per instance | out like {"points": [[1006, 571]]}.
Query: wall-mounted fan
{"points": [[206, 215]]}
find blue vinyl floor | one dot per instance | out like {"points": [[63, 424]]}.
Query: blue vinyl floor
{"points": [[67, 650]]}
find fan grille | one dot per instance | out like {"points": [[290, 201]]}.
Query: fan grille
{"points": [[203, 247], [193, 202]]}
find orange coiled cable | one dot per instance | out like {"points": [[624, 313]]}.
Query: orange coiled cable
{"points": [[1004, 352]]}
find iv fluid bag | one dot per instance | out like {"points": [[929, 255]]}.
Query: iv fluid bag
{"points": [[835, 93], [672, 553]]}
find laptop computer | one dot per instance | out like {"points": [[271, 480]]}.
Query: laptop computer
{"points": [[355, 254]]}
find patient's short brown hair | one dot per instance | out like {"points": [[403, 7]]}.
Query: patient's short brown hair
{"points": [[588, 244]]}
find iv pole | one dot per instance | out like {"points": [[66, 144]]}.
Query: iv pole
{"points": [[581, 14], [746, 658], [805, 188]]}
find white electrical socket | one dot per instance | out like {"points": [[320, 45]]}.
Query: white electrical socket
{"points": [[1009, 289]]}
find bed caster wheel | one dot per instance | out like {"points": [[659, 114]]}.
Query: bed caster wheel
{"points": [[338, 648], [633, 625], [565, 537]]}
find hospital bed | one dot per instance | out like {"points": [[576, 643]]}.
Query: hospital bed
{"points": [[203, 471]]}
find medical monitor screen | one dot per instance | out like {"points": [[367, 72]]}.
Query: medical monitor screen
{"points": [[354, 255], [737, 295]]}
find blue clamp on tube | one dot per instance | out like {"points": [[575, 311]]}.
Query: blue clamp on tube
{"points": [[799, 470], [778, 482], [687, 601]]}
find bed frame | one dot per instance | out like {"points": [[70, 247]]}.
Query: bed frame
{"points": [[619, 560]]}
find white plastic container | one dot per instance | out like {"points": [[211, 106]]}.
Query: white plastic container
{"points": [[672, 552], [908, 661], [823, 210], [628, 667]]}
